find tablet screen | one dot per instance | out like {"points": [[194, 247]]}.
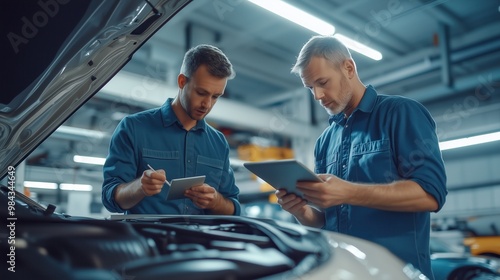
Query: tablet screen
{"points": [[282, 174], [178, 186]]}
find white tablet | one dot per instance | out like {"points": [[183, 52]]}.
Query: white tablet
{"points": [[282, 174], [178, 186]]}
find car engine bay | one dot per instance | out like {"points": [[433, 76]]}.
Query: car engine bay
{"points": [[53, 245]]}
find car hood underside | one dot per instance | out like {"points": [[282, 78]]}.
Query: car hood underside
{"points": [[60, 53]]}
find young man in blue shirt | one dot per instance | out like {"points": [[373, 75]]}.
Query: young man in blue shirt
{"points": [[176, 141], [379, 158]]}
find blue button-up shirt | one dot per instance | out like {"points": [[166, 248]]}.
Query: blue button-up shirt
{"points": [[385, 139], [156, 137]]}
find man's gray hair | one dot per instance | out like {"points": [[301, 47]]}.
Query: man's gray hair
{"points": [[327, 47], [217, 63]]}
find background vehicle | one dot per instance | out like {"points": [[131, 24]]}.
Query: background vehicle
{"points": [[483, 235], [483, 245], [450, 263]]}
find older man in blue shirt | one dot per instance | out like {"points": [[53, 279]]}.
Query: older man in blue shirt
{"points": [[379, 158], [177, 142]]}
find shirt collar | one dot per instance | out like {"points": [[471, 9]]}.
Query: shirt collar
{"points": [[365, 105], [169, 117]]}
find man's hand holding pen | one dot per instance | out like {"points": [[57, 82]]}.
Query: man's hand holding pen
{"points": [[152, 181]]}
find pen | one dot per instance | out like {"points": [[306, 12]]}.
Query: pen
{"points": [[152, 169]]}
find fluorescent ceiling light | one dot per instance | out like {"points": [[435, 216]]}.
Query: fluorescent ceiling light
{"points": [[89, 160], [81, 132], [358, 47], [40, 185], [75, 187], [296, 15], [315, 24], [469, 141], [236, 162]]}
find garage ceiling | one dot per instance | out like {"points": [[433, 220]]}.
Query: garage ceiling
{"points": [[433, 51], [409, 34], [446, 54]]}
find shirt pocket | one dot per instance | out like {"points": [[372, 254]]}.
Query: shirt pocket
{"points": [[372, 161], [160, 159], [211, 168], [327, 164]]}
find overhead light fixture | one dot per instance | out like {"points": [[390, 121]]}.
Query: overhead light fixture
{"points": [[79, 132], [469, 141], [358, 47], [40, 185], [89, 160], [314, 24], [76, 187], [53, 186], [236, 162], [296, 15]]}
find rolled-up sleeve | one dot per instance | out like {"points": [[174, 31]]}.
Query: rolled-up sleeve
{"points": [[417, 148], [228, 186], [120, 165]]}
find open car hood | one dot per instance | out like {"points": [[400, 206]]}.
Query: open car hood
{"points": [[60, 53]]}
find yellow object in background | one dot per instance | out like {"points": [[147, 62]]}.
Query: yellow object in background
{"points": [[26, 191], [265, 187], [253, 152], [483, 245]]}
